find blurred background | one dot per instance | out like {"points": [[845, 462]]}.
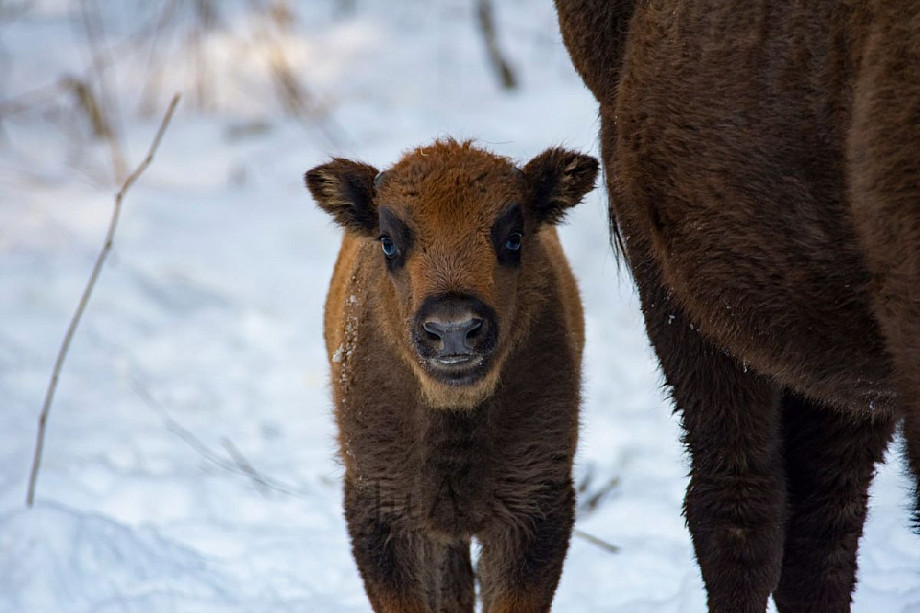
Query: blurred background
{"points": [[190, 462]]}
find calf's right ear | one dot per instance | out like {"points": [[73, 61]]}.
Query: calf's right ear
{"points": [[345, 190]]}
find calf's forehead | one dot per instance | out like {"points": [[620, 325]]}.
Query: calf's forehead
{"points": [[451, 189]]}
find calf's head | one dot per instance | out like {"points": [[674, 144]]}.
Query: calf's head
{"points": [[456, 228]]}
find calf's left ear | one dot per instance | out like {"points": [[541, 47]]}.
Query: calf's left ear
{"points": [[345, 189], [557, 180]]}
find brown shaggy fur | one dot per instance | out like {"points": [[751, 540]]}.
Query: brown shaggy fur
{"points": [[429, 462], [763, 164]]}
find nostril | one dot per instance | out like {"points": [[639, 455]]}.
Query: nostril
{"points": [[474, 329], [433, 330]]}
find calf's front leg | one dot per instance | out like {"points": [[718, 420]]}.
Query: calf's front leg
{"points": [[387, 557], [405, 571], [521, 562]]}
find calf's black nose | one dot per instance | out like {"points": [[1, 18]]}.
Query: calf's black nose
{"points": [[457, 336], [454, 329]]}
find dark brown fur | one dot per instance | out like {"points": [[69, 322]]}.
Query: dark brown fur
{"points": [[430, 465], [763, 164]]}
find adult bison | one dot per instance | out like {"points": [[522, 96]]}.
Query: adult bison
{"points": [[455, 333], [763, 164]]}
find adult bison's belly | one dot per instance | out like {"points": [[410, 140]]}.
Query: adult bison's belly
{"points": [[733, 181], [794, 316]]}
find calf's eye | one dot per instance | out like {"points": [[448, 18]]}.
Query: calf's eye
{"points": [[514, 242], [389, 247]]}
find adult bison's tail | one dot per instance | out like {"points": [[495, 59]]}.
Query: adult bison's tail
{"points": [[594, 32]]}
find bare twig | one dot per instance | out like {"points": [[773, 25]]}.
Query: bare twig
{"points": [[293, 94], [609, 547], [282, 14], [247, 469], [154, 64], [239, 465], [487, 26], [591, 497], [31, 99], [92, 25], [203, 21], [87, 292], [92, 108], [592, 500]]}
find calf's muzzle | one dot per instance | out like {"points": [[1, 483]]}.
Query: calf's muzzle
{"points": [[454, 335]]}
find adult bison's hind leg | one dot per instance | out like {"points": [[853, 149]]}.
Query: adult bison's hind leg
{"points": [[735, 501], [830, 460], [884, 166]]}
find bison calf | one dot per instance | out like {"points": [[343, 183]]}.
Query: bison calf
{"points": [[455, 332]]}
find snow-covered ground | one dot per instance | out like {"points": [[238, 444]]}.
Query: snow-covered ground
{"points": [[189, 464]]}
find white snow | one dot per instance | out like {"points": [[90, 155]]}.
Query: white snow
{"points": [[189, 464]]}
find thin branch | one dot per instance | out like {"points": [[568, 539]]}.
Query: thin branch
{"points": [[204, 20], [92, 25], [590, 501], [87, 292], [240, 465], [599, 542], [154, 64], [292, 93], [92, 108], [502, 68], [245, 467], [31, 99]]}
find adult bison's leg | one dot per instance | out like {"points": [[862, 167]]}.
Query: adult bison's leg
{"points": [[521, 562], [830, 461], [884, 168], [735, 501]]}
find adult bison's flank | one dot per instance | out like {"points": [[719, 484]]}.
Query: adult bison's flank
{"points": [[455, 333], [763, 164]]}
